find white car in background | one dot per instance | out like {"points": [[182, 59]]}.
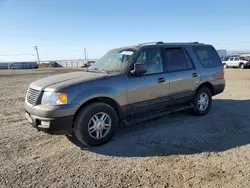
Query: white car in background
{"points": [[235, 61]]}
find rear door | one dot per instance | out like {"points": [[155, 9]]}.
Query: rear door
{"points": [[182, 74], [236, 62]]}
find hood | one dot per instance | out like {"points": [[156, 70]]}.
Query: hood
{"points": [[63, 80]]}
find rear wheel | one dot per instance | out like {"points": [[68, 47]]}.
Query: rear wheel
{"points": [[96, 124], [225, 66], [202, 101], [242, 66]]}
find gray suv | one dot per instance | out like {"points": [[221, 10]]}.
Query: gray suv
{"points": [[126, 86]]}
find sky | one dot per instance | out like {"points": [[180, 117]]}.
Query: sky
{"points": [[63, 28]]}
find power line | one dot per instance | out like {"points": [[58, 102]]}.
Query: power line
{"points": [[15, 54], [241, 42], [229, 25]]}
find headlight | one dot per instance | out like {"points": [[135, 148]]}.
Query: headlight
{"points": [[52, 98]]}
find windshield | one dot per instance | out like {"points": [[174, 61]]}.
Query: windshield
{"points": [[114, 60], [224, 58]]}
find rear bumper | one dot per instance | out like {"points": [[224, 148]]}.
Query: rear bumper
{"points": [[58, 125], [219, 89]]}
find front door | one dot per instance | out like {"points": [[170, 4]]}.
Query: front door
{"points": [[150, 91], [231, 62]]}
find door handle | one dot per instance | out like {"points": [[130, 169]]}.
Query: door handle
{"points": [[194, 74], [160, 80]]}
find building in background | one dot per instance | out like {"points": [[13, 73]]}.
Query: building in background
{"points": [[245, 54], [74, 63], [222, 52], [18, 65]]}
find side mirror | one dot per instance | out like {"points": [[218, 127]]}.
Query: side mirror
{"points": [[139, 69]]}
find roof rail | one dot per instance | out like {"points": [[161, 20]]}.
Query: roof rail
{"points": [[159, 42]]}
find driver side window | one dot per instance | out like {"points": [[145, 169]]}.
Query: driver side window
{"points": [[152, 58]]}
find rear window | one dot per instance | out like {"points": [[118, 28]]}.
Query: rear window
{"points": [[208, 56]]}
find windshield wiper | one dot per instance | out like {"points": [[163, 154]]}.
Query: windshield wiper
{"points": [[103, 70], [112, 71], [96, 70]]}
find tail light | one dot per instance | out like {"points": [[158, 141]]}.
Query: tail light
{"points": [[222, 74]]}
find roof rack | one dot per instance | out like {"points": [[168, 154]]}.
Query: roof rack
{"points": [[160, 42], [148, 43]]}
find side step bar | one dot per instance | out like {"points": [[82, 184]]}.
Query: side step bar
{"points": [[144, 117]]}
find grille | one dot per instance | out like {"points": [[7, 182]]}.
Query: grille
{"points": [[32, 96]]}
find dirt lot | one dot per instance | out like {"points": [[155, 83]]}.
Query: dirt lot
{"points": [[179, 150]]}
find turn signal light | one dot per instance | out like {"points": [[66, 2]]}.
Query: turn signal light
{"points": [[62, 98]]}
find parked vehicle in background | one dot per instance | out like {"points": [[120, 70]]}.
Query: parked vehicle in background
{"points": [[224, 59], [126, 86], [87, 64], [236, 62]]}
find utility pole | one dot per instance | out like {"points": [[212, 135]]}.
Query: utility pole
{"points": [[85, 54], [37, 54]]}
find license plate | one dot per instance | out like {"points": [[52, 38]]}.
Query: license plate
{"points": [[28, 118]]}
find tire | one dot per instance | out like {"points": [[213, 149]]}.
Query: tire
{"points": [[242, 66], [225, 66], [204, 91], [88, 132]]}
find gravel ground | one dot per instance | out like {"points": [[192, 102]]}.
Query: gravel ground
{"points": [[178, 150]]}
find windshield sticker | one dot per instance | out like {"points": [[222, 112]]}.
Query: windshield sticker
{"points": [[127, 52]]}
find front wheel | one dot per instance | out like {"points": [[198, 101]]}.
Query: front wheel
{"points": [[225, 66], [202, 101], [95, 124]]}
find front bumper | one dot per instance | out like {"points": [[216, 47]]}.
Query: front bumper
{"points": [[51, 119], [58, 125]]}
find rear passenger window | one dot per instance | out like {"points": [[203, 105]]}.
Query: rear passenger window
{"points": [[208, 56], [177, 59]]}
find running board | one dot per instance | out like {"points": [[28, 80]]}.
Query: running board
{"points": [[152, 115]]}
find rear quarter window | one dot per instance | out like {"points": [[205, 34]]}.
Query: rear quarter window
{"points": [[208, 56]]}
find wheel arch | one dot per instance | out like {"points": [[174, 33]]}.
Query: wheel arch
{"points": [[106, 100], [241, 63], [208, 85]]}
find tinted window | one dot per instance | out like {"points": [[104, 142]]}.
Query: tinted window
{"points": [[225, 58], [208, 56], [152, 58], [236, 59], [176, 60], [243, 58], [231, 59], [189, 61]]}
